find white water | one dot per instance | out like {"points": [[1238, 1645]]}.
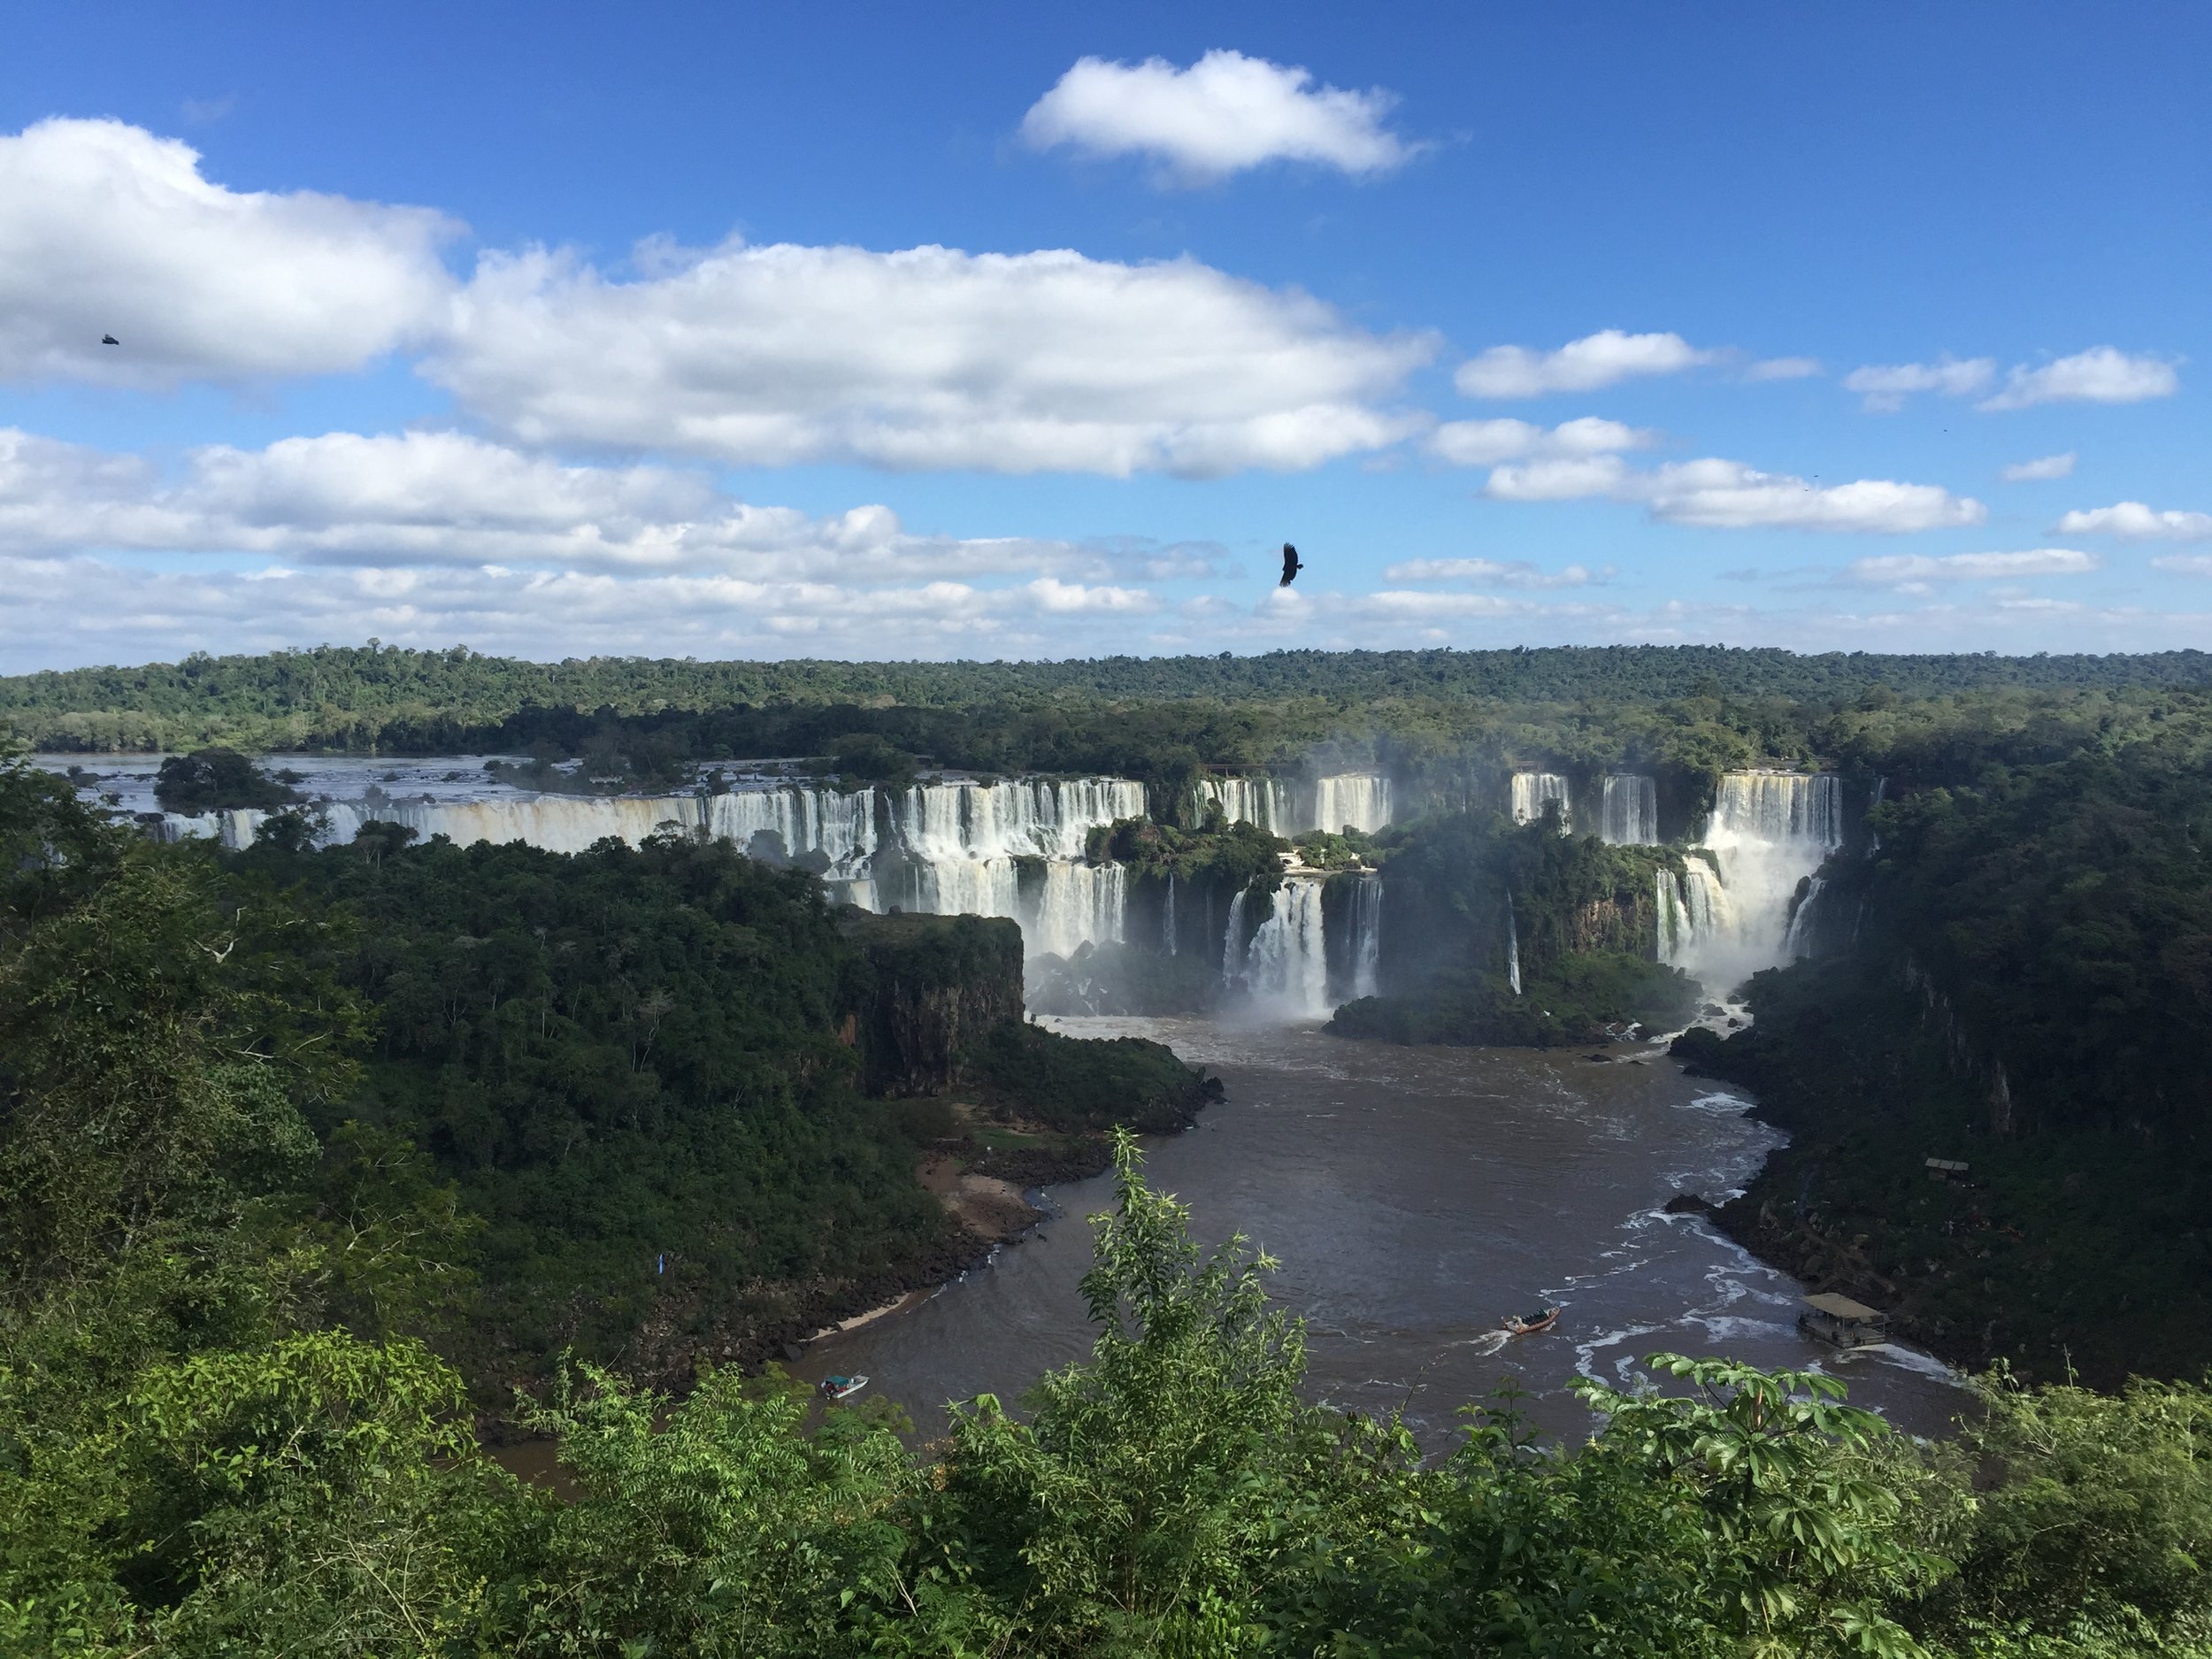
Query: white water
{"points": [[1797, 940], [1366, 936], [1286, 966], [1167, 928], [1533, 789], [1512, 947], [1080, 904], [959, 840], [1360, 799], [1260, 801], [1631, 811], [1232, 941], [1730, 916]]}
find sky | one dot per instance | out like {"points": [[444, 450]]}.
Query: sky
{"points": [[1008, 332]]}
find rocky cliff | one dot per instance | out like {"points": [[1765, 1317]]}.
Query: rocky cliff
{"points": [[929, 986]]}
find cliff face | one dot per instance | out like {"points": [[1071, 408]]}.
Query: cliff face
{"points": [[931, 986]]}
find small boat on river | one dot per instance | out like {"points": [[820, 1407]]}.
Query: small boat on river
{"points": [[841, 1387], [1530, 1323]]}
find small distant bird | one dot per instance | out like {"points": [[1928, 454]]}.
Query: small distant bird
{"points": [[110, 339], [1291, 566]]}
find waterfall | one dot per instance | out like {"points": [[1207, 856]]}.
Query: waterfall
{"points": [[965, 887], [943, 821], [1366, 935], [1631, 811], [841, 827], [235, 827], [961, 840], [1174, 947], [1731, 913], [948, 847], [1797, 939], [1359, 799], [1286, 968], [1232, 941], [1533, 789], [1259, 801], [1512, 947], [1080, 904]]}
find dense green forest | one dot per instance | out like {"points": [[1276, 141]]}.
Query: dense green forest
{"points": [[2017, 974], [1135, 714]]}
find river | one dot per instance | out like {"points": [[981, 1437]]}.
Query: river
{"points": [[1415, 1196]]}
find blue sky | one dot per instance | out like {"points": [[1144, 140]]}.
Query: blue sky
{"points": [[870, 332]]}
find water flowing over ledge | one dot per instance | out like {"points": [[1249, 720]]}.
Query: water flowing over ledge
{"points": [[1016, 847]]}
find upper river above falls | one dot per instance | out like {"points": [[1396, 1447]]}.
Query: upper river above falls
{"points": [[1414, 1197]]}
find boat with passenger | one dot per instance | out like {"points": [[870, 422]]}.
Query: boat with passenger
{"points": [[841, 1387], [1530, 1323]]}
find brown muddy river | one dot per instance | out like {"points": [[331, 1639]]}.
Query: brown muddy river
{"points": [[1415, 1196]]}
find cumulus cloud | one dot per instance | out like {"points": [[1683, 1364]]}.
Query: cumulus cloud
{"points": [[1883, 388], [89, 610], [425, 499], [2138, 521], [2102, 374], [1597, 360], [2043, 467], [929, 357], [921, 358], [105, 228], [1223, 114], [1723, 494], [1491, 572], [1962, 567], [1487, 442]]}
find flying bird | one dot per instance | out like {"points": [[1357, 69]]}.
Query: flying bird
{"points": [[1291, 566], [110, 339]]}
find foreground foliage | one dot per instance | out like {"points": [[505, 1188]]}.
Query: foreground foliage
{"points": [[1176, 1494]]}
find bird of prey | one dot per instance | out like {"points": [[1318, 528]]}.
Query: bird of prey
{"points": [[1291, 565], [110, 339]]}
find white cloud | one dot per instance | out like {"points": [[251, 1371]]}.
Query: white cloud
{"points": [[2136, 521], [89, 610], [1727, 494], [1561, 480], [1225, 113], [1487, 442], [2103, 374], [1490, 573], [1597, 360], [1885, 387], [106, 229], [929, 357], [1717, 494], [1961, 567], [2047, 466], [428, 499], [1783, 369]]}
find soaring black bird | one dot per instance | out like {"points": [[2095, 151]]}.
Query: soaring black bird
{"points": [[1291, 566], [110, 339]]}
